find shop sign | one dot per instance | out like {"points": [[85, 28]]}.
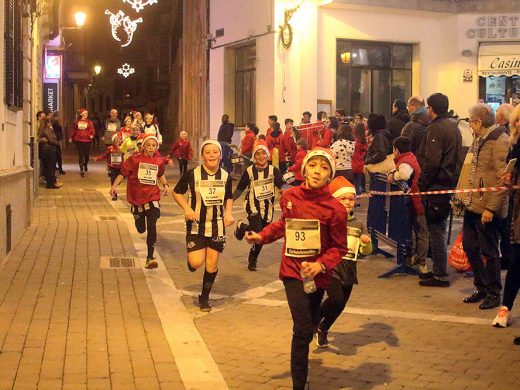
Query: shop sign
{"points": [[52, 66], [50, 96], [495, 27], [499, 65]]}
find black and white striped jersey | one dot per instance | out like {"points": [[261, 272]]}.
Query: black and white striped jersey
{"points": [[260, 185], [207, 196]]}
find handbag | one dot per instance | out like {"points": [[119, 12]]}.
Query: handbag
{"points": [[437, 207]]}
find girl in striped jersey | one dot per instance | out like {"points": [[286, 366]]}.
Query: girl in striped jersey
{"points": [[259, 180], [207, 213]]}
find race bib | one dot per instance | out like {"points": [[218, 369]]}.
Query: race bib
{"points": [[212, 192], [112, 127], [116, 158], [147, 174], [82, 125], [263, 189], [353, 243], [302, 237]]}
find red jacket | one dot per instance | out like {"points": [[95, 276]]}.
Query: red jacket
{"points": [[308, 131], [138, 193], [304, 203], [276, 142], [358, 158], [110, 155], [247, 143], [82, 131], [297, 166], [289, 145], [324, 138], [182, 149], [410, 159]]}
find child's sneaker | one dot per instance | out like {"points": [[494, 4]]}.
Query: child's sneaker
{"points": [[204, 304], [503, 318], [151, 263], [114, 197], [240, 230]]}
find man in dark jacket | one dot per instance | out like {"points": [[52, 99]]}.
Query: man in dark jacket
{"points": [[399, 118], [439, 157], [419, 121], [225, 134]]}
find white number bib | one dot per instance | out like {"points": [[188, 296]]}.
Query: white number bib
{"points": [[112, 127], [302, 237], [116, 158], [82, 125], [264, 189], [147, 174], [212, 192], [353, 243]]}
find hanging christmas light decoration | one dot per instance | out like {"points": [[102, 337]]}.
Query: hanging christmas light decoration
{"points": [[119, 20], [126, 70], [139, 5]]}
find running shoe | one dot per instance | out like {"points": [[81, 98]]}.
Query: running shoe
{"points": [[503, 318], [322, 341], [151, 263]]}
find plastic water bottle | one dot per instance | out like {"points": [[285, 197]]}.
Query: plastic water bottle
{"points": [[308, 283]]}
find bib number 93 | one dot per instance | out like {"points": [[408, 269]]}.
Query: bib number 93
{"points": [[299, 236]]}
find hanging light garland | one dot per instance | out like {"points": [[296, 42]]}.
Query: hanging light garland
{"points": [[119, 20], [126, 70], [139, 5]]}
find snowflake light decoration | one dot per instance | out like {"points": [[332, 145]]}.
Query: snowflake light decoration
{"points": [[126, 70], [139, 5], [121, 20]]}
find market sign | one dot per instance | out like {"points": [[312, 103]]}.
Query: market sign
{"points": [[499, 65], [50, 96], [52, 66]]}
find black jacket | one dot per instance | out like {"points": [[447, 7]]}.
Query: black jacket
{"points": [[416, 130], [396, 122], [380, 147], [225, 133], [439, 154]]}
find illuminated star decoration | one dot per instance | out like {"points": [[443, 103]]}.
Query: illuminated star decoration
{"points": [[125, 70], [139, 5], [121, 20]]}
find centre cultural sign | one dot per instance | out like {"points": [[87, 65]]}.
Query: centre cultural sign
{"points": [[498, 65], [495, 27]]}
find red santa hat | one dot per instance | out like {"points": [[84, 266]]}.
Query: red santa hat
{"points": [[147, 137], [341, 186], [261, 144], [82, 111], [320, 152]]}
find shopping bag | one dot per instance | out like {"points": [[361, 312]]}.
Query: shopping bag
{"points": [[457, 258]]}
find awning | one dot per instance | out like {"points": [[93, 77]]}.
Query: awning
{"points": [[498, 60]]}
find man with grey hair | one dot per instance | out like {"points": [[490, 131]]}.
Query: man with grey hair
{"points": [[483, 210], [503, 113], [415, 129]]}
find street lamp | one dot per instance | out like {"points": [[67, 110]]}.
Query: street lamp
{"points": [[79, 18], [97, 70]]}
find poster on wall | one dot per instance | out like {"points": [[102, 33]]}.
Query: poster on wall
{"points": [[50, 96], [52, 67], [495, 86]]}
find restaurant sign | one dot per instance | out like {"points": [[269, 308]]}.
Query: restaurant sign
{"points": [[499, 65]]}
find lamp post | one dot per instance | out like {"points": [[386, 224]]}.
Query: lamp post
{"points": [[97, 70]]}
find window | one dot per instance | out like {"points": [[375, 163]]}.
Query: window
{"points": [[245, 90], [371, 75], [13, 56]]}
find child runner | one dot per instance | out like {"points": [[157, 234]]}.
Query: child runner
{"points": [[344, 276], [314, 228], [151, 128], [129, 144], [183, 151], [259, 180], [208, 212], [301, 146], [114, 159], [143, 171]]}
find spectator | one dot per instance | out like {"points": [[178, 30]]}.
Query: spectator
{"points": [[415, 129], [358, 159], [225, 134], [483, 210], [276, 150], [47, 143], [408, 170], [247, 143], [301, 146], [343, 150], [271, 120], [58, 131], [440, 166], [289, 142], [398, 119], [306, 117]]}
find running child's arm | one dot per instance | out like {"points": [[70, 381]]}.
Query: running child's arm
{"points": [[242, 185], [104, 156], [278, 178], [178, 194], [113, 189], [165, 184], [228, 203]]}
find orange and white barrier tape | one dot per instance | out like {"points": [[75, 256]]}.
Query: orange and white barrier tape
{"points": [[439, 192]]}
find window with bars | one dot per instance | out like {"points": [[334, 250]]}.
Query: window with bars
{"points": [[13, 56]]}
